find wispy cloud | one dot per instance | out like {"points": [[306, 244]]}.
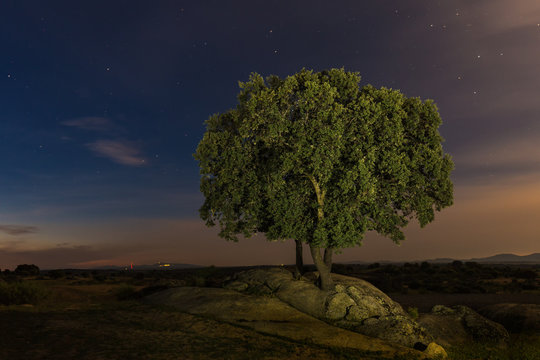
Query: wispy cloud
{"points": [[515, 155], [119, 151], [16, 230], [89, 123]]}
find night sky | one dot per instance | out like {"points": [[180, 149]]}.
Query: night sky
{"points": [[102, 104]]}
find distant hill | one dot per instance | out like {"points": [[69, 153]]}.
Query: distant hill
{"points": [[158, 266], [495, 259], [510, 258]]}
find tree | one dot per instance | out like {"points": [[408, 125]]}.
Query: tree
{"points": [[25, 269], [315, 158]]}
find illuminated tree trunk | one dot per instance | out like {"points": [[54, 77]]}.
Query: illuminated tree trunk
{"points": [[299, 271], [323, 267]]}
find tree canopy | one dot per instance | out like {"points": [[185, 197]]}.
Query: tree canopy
{"points": [[316, 158]]}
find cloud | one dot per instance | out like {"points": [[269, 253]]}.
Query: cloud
{"points": [[89, 123], [515, 155], [121, 152], [511, 15], [57, 257], [16, 230]]}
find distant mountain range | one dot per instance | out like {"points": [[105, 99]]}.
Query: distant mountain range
{"points": [[495, 259], [510, 258], [157, 266]]}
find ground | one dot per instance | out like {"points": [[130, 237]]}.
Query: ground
{"points": [[96, 316]]}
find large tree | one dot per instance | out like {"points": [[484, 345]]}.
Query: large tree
{"points": [[316, 158]]}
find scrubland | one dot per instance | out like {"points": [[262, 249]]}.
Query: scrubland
{"points": [[77, 314]]}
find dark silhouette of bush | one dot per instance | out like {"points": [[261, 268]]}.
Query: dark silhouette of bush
{"points": [[56, 274], [125, 292], [27, 270], [526, 274]]}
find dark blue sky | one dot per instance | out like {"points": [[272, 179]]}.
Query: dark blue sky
{"points": [[103, 104]]}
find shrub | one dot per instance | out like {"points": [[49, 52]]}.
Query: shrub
{"points": [[56, 274], [21, 292], [125, 291], [26, 269], [413, 312]]}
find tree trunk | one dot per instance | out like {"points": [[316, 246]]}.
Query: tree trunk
{"points": [[328, 252], [325, 279], [299, 271]]}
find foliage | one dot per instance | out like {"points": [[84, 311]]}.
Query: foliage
{"points": [[125, 291], [21, 292], [471, 278], [413, 312], [57, 274], [521, 347], [316, 158], [26, 269]]}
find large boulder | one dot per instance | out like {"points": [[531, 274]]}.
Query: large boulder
{"points": [[269, 315], [515, 317], [459, 324], [355, 304]]}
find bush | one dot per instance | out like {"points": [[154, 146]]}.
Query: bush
{"points": [[26, 269], [22, 292], [413, 312], [56, 274], [125, 291]]}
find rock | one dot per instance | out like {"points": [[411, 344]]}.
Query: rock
{"points": [[354, 304], [269, 315], [446, 330], [435, 351], [236, 285], [459, 324], [357, 314], [515, 317], [480, 328], [273, 277], [399, 329], [337, 306], [442, 310], [372, 305]]}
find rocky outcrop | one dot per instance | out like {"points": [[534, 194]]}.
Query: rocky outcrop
{"points": [[269, 315], [459, 324], [515, 317], [354, 304]]}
